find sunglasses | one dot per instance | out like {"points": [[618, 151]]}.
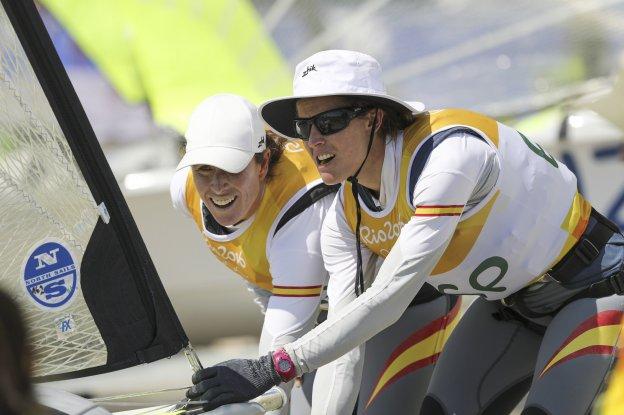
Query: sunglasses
{"points": [[328, 122]]}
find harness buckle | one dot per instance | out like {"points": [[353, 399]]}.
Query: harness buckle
{"points": [[586, 251], [617, 283]]}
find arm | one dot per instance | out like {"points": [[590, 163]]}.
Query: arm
{"points": [[260, 296], [295, 261]]}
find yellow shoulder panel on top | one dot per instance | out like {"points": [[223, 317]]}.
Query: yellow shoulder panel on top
{"points": [[433, 121]]}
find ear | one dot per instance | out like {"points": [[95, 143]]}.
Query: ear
{"points": [[378, 120], [264, 167]]}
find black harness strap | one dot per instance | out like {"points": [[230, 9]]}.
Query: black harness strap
{"points": [[308, 199], [585, 250], [582, 254]]}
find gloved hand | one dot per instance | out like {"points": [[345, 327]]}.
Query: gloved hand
{"points": [[236, 380]]}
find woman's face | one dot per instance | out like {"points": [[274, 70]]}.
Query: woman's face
{"points": [[337, 156], [231, 197]]}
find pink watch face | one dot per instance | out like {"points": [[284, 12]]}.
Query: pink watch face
{"points": [[284, 365]]}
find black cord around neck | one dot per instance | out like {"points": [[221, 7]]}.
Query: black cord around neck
{"points": [[355, 190]]}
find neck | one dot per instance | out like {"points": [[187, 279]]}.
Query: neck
{"points": [[370, 175]]}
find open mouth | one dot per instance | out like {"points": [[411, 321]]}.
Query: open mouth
{"points": [[322, 159], [223, 202]]}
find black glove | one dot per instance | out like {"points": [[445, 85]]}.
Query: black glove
{"points": [[236, 380]]}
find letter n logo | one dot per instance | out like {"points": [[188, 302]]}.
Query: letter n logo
{"points": [[48, 258]]}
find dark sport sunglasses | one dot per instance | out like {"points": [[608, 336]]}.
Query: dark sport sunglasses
{"points": [[328, 122]]}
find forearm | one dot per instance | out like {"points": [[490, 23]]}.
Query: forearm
{"points": [[286, 320], [399, 279]]}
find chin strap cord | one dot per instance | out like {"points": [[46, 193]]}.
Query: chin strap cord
{"points": [[355, 190]]}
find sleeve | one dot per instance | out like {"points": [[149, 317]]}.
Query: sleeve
{"points": [[298, 274], [337, 383], [177, 189], [448, 179], [260, 296]]}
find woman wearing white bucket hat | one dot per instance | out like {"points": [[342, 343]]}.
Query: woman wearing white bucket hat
{"points": [[480, 210], [259, 204], [395, 365]]}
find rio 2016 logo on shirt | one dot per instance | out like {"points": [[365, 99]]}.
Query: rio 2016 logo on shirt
{"points": [[235, 257], [50, 275], [388, 232]]}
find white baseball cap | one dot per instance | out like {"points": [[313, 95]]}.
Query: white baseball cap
{"points": [[329, 73], [225, 131]]}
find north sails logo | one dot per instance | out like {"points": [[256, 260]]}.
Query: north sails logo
{"points": [[308, 70], [261, 142]]}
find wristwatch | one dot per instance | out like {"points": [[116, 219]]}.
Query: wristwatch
{"points": [[283, 365]]}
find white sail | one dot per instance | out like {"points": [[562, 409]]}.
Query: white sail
{"points": [[46, 209]]}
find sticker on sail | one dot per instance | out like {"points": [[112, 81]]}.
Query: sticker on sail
{"points": [[50, 275], [65, 326]]}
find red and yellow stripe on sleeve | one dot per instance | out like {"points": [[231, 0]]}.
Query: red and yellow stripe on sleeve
{"points": [[438, 210], [297, 291]]}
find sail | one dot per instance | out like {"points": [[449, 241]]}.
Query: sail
{"points": [[174, 54], [70, 252]]}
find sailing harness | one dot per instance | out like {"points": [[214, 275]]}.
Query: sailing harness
{"points": [[355, 186], [585, 252]]}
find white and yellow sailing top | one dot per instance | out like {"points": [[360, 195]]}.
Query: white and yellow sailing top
{"points": [[531, 217], [466, 204], [249, 250]]}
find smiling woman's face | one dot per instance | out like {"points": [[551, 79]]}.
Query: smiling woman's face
{"points": [[231, 197]]}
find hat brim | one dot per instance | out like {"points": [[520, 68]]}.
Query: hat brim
{"points": [[229, 159], [279, 113]]}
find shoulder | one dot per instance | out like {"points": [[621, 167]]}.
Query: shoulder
{"points": [[433, 121], [178, 189], [460, 146]]}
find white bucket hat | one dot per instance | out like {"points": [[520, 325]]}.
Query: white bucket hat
{"points": [[225, 131], [328, 73]]}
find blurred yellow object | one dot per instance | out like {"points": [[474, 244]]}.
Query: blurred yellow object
{"points": [[612, 402], [173, 54]]}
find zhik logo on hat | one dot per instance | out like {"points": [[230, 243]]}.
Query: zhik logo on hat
{"points": [[308, 70]]}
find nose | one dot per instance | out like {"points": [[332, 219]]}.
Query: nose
{"points": [[218, 181], [316, 137]]}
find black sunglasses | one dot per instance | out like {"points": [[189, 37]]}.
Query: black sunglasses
{"points": [[328, 122]]}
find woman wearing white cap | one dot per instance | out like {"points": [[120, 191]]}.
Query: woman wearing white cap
{"points": [[259, 205], [481, 210]]}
